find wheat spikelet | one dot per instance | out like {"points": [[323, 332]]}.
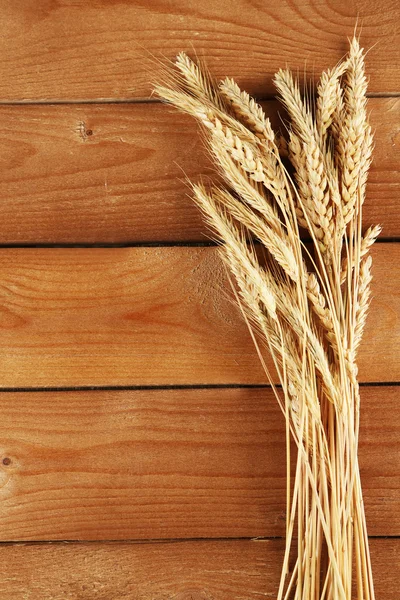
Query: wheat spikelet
{"points": [[261, 169], [250, 191], [354, 134], [306, 155], [364, 292], [246, 268], [277, 245], [318, 304], [328, 93], [314, 188], [197, 82], [367, 241], [300, 114], [247, 110]]}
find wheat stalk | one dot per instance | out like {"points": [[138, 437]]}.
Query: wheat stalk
{"points": [[307, 303]]}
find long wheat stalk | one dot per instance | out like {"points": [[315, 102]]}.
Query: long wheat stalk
{"points": [[307, 302]]}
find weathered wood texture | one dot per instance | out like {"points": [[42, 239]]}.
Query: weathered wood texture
{"points": [[201, 570], [85, 50], [150, 316], [177, 463], [115, 173], [154, 464]]}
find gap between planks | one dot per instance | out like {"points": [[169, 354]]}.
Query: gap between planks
{"points": [[145, 100], [151, 244], [139, 541], [194, 386]]}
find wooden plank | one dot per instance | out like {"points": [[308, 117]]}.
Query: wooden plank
{"points": [[169, 464], [125, 181], [200, 570], [78, 50], [150, 316]]}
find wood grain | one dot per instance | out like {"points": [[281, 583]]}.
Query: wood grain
{"points": [[150, 316], [200, 570], [115, 173], [57, 49], [178, 463], [154, 464]]}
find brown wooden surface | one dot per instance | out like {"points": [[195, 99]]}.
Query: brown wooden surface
{"points": [[150, 316], [154, 464], [98, 167], [85, 50], [201, 570], [115, 173]]}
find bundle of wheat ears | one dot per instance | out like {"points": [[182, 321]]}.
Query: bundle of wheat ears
{"points": [[306, 299]]}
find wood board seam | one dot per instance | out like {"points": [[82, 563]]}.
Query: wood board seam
{"points": [[145, 100], [161, 541], [148, 244], [194, 386]]}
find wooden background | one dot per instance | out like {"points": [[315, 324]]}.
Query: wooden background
{"points": [[141, 455]]}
